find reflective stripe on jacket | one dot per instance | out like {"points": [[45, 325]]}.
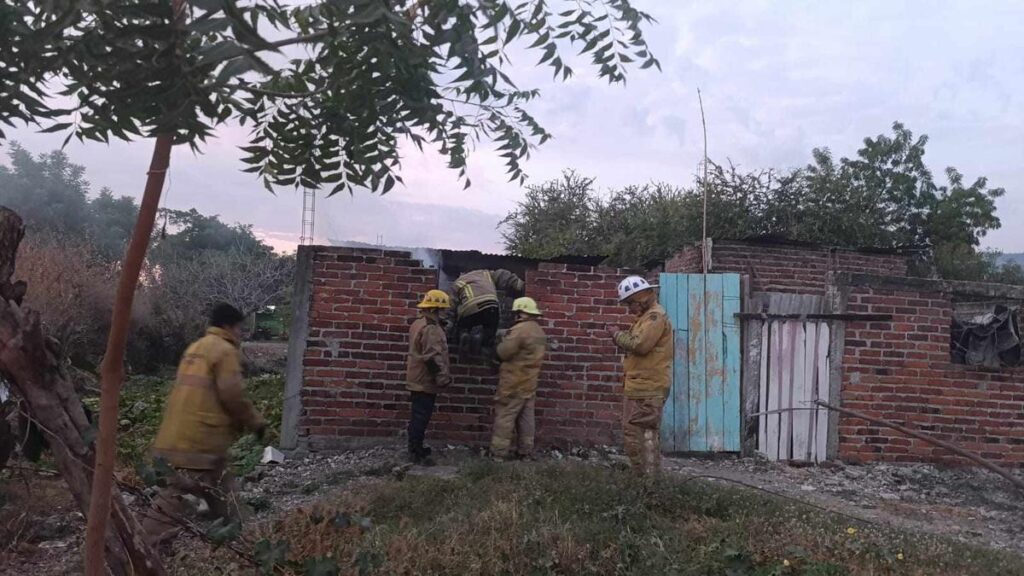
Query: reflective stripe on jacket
{"points": [[427, 365], [207, 409], [522, 353], [479, 288], [649, 349]]}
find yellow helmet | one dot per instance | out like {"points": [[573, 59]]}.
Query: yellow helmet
{"points": [[434, 299], [526, 305]]}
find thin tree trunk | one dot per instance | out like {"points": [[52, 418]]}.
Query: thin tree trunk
{"points": [[29, 363], [112, 368]]}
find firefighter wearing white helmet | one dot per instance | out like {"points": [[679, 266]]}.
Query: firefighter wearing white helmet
{"points": [[648, 345]]}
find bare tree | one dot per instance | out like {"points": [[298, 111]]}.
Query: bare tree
{"points": [[72, 286], [247, 279]]}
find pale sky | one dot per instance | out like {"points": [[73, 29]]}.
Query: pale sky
{"points": [[778, 77]]}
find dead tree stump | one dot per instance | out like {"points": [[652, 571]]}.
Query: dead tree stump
{"points": [[29, 363]]}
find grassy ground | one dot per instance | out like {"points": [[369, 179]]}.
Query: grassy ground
{"points": [[576, 519]]}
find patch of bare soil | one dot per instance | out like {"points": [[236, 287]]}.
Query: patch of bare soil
{"points": [[40, 526]]}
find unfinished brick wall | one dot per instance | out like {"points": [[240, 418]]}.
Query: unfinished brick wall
{"points": [[901, 371], [353, 374], [361, 305], [786, 268]]}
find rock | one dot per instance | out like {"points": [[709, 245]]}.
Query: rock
{"points": [[256, 475], [271, 455], [808, 488], [888, 496], [446, 472], [400, 471], [855, 473]]}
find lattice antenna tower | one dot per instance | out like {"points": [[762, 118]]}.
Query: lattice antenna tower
{"points": [[308, 216]]}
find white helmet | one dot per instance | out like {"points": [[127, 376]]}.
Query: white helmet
{"points": [[632, 285]]}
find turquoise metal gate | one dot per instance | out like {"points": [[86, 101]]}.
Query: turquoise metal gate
{"points": [[702, 412]]}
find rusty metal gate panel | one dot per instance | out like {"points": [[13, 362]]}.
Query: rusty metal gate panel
{"points": [[702, 411]]}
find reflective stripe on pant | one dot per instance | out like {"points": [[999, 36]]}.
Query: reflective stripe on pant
{"points": [[217, 487], [421, 410], [513, 416], [641, 432]]}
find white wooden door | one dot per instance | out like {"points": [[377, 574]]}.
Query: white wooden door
{"points": [[794, 373]]}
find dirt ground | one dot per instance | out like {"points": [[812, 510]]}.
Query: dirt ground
{"points": [[40, 529]]}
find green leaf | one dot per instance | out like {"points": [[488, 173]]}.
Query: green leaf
{"points": [[270, 555], [208, 5], [209, 25], [57, 127], [223, 531], [513, 30], [89, 434], [219, 52], [321, 566]]}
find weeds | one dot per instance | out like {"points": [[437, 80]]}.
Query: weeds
{"points": [[142, 409], [575, 519]]}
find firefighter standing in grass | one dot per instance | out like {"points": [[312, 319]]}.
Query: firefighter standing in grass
{"points": [[426, 370], [521, 353], [206, 412], [648, 372]]}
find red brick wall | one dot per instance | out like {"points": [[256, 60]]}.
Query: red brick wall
{"points": [[361, 306], [580, 393], [786, 268], [901, 371]]}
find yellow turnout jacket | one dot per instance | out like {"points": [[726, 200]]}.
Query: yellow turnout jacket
{"points": [[522, 353], [476, 289], [649, 348], [427, 365], [207, 409]]}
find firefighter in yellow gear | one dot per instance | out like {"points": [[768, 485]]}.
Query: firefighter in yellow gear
{"points": [[427, 370], [648, 345], [206, 412], [475, 302], [521, 352]]}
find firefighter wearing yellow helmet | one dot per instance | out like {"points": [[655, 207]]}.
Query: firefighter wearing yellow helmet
{"points": [[521, 352], [427, 370]]}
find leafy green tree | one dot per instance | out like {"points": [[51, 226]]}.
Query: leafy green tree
{"points": [[189, 233], [369, 74], [885, 196], [555, 218], [110, 223], [49, 192]]}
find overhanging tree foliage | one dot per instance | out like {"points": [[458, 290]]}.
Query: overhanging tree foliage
{"points": [[369, 73], [365, 75]]}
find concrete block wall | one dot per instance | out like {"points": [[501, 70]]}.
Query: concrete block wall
{"points": [[786, 268], [901, 371], [352, 385]]}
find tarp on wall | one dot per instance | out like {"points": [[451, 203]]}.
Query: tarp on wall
{"points": [[991, 339]]}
